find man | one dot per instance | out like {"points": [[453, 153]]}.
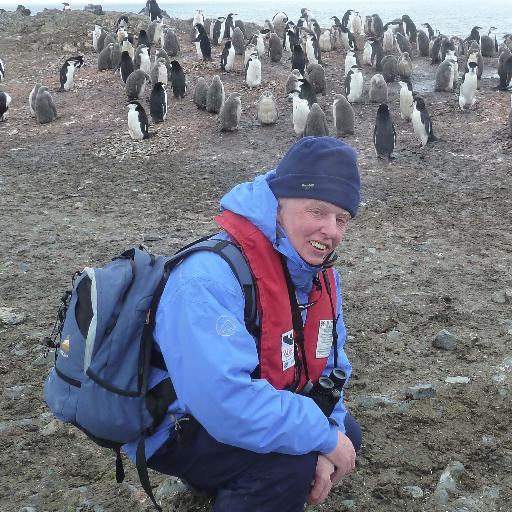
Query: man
{"points": [[249, 437]]}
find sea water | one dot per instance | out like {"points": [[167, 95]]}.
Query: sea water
{"points": [[453, 18]]}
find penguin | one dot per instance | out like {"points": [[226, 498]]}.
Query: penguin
{"points": [[138, 126], [32, 99], [100, 42], [67, 75], [238, 41], [154, 32], [127, 46], [350, 60], [267, 113], [384, 134], [290, 40], [155, 12], [121, 35], [143, 60], [315, 27], [109, 38], [356, 23], [421, 122], [116, 57], [5, 101], [205, 48], [229, 26], [377, 54], [300, 113], [105, 58], [253, 71], [122, 21], [325, 41], [215, 96], [230, 113], [298, 60], [259, 42], [354, 83], [376, 26], [505, 69], [347, 39], [126, 67], [143, 39], [307, 92], [388, 41], [409, 28], [316, 77], [345, 18], [158, 103], [389, 68], [136, 84], [45, 108], [510, 118], [198, 18], [241, 25], [249, 51], [170, 43], [445, 75], [423, 43], [343, 116], [292, 83], [316, 123], [313, 50], [218, 30], [406, 100], [275, 48], [448, 46], [96, 33], [200, 93], [367, 53], [430, 30], [179, 87], [159, 72], [403, 43], [227, 58], [378, 91], [476, 56], [435, 49], [405, 66], [468, 87], [474, 35]]}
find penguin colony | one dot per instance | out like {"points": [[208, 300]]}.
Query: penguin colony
{"points": [[372, 55]]}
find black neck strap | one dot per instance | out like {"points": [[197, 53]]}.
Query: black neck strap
{"points": [[334, 318]]}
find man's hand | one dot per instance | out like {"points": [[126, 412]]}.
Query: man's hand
{"points": [[343, 457], [322, 483]]}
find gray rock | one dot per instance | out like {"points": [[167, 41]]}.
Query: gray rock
{"points": [[445, 340], [169, 487], [457, 380], [94, 8], [420, 391], [15, 392], [394, 336], [152, 237], [9, 317], [51, 428], [48, 361], [374, 401], [448, 483], [507, 364], [412, 491], [6, 426], [508, 325], [28, 509], [349, 505], [502, 296]]}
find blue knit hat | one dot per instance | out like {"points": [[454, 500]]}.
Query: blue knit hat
{"points": [[323, 168]]}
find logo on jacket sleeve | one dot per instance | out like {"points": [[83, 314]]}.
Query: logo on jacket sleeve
{"points": [[287, 352]]}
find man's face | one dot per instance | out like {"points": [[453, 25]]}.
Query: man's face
{"points": [[314, 228]]}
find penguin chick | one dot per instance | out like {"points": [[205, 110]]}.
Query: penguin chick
{"points": [[230, 113], [300, 113], [354, 83], [316, 123], [179, 87], [405, 66], [200, 93], [137, 121], [384, 135], [275, 48], [267, 109], [215, 96], [389, 68], [170, 43], [238, 41], [378, 91], [468, 87], [45, 108], [32, 99], [343, 116], [316, 76], [253, 71], [445, 76], [421, 122], [406, 100], [5, 101], [136, 84], [105, 58], [292, 83], [159, 72]]}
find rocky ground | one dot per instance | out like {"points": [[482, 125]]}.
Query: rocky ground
{"points": [[430, 250]]}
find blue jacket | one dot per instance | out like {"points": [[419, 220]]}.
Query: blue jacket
{"points": [[210, 355]]}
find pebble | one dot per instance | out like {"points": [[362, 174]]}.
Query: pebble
{"points": [[15, 392], [457, 380], [412, 491], [508, 325], [5, 426], [28, 509], [169, 487], [48, 361], [448, 483], [9, 317], [349, 504], [375, 401], [420, 391], [445, 340], [394, 336], [152, 237], [51, 428], [502, 296]]}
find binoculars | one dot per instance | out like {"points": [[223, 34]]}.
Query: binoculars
{"points": [[327, 391]]}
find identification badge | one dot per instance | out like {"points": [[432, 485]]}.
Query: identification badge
{"points": [[287, 352], [324, 341]]}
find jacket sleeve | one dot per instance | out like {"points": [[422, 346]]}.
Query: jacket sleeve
{"points": [[340, 410], [210, 357]]}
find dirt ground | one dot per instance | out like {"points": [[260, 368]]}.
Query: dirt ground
{"points": [[430, 250]]}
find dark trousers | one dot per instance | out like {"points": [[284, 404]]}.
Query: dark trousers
{"points": [[241, 480]]}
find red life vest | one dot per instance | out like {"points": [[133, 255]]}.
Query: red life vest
{"points": [[276, 347]]}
